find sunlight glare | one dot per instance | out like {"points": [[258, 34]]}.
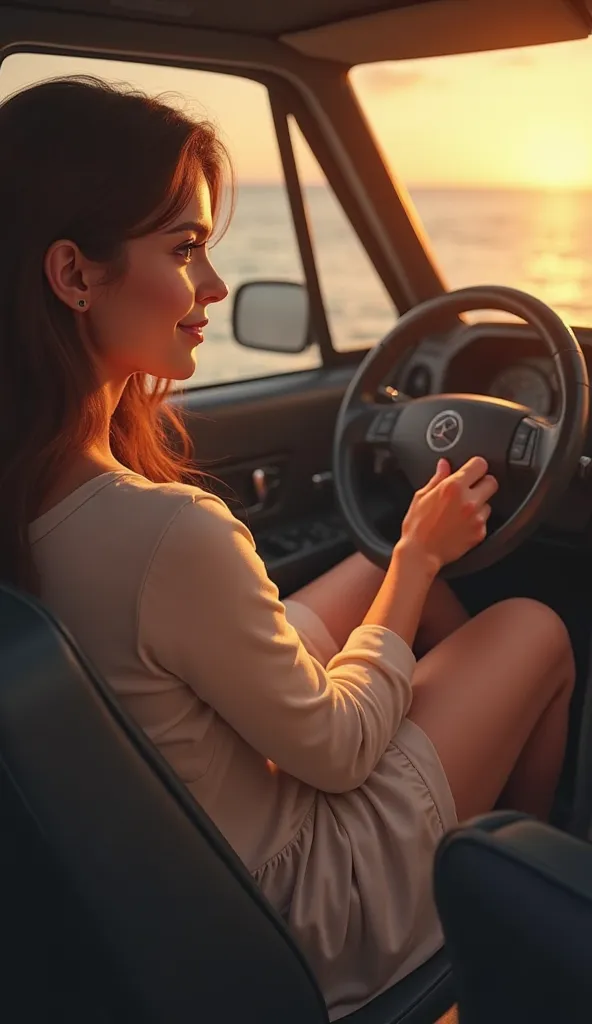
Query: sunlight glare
{"points": [[556, 156]]}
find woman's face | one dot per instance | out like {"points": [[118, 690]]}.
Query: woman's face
{"points": [[151, 319]]}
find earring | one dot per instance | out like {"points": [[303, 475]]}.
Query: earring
{"points": [[82, 303]]}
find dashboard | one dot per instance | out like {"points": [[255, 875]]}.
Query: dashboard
{"points": [[502, 360], [530, 383]]}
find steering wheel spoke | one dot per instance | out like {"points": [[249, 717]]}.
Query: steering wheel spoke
{"points": [[532, 445], [372, 423]]}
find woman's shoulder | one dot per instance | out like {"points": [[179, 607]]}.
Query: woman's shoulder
{"points": [[134, 489], [182, 511], [194, 536], [125, 512]]}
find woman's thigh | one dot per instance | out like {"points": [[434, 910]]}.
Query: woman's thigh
{"points": [[342, 595], [479, 695]]}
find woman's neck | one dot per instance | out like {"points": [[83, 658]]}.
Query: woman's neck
{"points": [[94, 460]]}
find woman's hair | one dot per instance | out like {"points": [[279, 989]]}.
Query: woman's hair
{"points": [[99, 165]]}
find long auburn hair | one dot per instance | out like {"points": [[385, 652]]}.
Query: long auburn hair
{"points": [[97, 164]]}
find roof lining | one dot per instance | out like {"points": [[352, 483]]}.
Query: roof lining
{"points": [[444, 27], [269, 20], [431, 28]]}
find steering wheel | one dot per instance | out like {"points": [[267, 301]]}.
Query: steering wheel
{"points": [[417, 432]]}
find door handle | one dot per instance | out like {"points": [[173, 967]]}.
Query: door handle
{"points": [[266, 481]]}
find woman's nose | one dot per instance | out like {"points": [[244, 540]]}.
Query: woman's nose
{"points": [[212, 289]]}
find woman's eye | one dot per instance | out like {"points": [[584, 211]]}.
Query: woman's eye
{"points": [[186, 250]]}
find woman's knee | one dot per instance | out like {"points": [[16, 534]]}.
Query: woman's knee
{"points": [[542, 631]]}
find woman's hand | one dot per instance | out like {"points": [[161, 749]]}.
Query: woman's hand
{"points": [[446, 518], [449, 515]]}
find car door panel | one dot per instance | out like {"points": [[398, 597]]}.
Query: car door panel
{"points": [[265, 448]]}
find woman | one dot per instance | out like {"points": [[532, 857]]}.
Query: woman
{"points": [[332, 766]]}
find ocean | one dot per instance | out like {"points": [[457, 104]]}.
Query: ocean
{"points": [[538, 241]]}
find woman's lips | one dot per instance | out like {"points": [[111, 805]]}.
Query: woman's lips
{"points": [[195, 331]]}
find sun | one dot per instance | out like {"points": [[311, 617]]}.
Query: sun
{"points": [[557, 156]]}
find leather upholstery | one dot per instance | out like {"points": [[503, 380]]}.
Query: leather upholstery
{"points": [[124, 901], [515, 899]]}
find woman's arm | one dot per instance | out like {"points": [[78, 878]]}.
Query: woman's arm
{"points": [[210, 616], [400, 602], [446, 518], [342, 596]]}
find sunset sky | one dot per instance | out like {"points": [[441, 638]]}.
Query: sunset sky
{"points": [[512, 118]]}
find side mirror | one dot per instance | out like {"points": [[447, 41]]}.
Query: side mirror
{"points": [[272, 315]]}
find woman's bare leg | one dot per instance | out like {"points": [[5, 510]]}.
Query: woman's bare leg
{"points": [[492, 694], [494, 700], [342, 596]]}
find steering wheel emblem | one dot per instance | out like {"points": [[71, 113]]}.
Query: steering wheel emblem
{"points": [[444, 431]]}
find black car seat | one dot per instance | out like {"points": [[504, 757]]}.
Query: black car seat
{"points": [[515, 899], [120, 899]]}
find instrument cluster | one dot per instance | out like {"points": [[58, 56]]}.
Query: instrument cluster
{"points": [[530, 383]]}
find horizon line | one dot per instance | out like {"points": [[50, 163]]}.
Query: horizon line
{"points": [[438, 186]]}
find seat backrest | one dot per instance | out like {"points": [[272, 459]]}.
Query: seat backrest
{"points": [[515, 900], [134, 897]]}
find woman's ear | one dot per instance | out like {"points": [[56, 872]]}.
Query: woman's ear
{"points": [[69, 274]]}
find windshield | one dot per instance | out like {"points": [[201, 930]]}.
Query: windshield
{"points": [[495, 150]]}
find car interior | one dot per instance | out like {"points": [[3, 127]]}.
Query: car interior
{"points": [[121, 899]]}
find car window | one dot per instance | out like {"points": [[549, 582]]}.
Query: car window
{"points": [[359, 309], [260, 243], [496, 151]]}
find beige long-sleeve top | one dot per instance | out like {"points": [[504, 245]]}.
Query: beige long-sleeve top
{"points": [[164, 590]]}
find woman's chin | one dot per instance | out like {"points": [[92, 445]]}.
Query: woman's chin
{"points": [[184, 368], [180, 368], [188, 372]]}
